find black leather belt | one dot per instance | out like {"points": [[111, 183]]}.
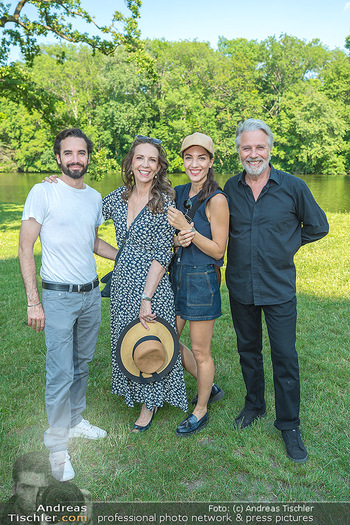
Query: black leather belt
{"points": [[71, 287]]}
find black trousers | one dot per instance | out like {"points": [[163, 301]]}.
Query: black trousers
{"points": [[281, 325]]}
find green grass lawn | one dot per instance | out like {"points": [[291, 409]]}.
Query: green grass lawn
{"points": [[219, 463]]}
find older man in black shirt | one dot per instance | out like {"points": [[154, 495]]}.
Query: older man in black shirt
{"points": [[272, 214]]}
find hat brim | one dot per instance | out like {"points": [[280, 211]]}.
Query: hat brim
{"points": [[135, 331]]}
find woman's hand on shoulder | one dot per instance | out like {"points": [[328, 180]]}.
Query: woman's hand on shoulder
{"points": [[50, 179]]}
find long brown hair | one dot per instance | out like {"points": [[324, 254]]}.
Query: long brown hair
{"points": [[210, 184], [160, 184]]}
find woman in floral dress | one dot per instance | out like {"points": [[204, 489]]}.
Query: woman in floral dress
{"points": [[140, 286]]}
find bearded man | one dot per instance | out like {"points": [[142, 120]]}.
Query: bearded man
{"points": [[66, 215], [272, 214]]}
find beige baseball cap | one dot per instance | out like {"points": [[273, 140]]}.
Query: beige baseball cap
{"points": [[198, 139]]}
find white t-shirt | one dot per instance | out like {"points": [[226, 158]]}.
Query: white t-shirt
{"points": [[68, 218]]}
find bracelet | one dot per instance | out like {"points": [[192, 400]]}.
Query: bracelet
{"points": [[30, 305]]}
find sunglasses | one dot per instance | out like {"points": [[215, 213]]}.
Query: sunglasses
{"points": [[150, 139], [187, 205]]}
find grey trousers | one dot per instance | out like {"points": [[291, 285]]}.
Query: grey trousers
{"points": [[72, 322]]}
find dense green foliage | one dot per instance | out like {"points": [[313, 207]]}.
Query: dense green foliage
{"points": [[301, 89]]}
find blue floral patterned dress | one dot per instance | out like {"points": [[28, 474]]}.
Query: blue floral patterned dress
{"points": [[149, 237]]}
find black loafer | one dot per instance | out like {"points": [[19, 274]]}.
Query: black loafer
{"points": [[191, 424], [139, 428], [247, 417], [215, 394], [296, 450]]}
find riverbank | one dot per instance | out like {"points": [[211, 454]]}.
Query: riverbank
{"points": [[332, 192], [217, 464]]}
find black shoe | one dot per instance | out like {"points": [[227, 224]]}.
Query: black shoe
{"points": [[296, 450], [138, 428], [215, 394], [247, 417], [191, 424]]}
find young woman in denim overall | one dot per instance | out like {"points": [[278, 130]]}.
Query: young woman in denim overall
{"points": [[200, 244]]}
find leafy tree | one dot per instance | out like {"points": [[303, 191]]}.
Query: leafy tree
{"points": [[301, 90], [237, 92], [311, 133], [25, 141], [239, 85], [335, 76], [191, 96], [73, 81], [127, 106], [53, 17], [56, 17], [183, 69], [284, 64], [106, 96], [18, 85]]}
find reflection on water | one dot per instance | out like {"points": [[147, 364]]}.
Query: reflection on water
{"points": [[331, 192]]}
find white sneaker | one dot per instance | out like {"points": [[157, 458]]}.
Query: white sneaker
{"points": [[86, 430], [61, 466]]}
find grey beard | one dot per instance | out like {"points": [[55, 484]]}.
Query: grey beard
{"points": [[255, 174]]}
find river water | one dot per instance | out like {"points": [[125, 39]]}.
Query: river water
{"points": [[331, 192]]}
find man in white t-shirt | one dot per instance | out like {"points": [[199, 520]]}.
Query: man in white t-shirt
{"points": [[66, 216]]}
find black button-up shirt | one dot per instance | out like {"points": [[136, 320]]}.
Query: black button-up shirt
{"points": [[265, 235]]}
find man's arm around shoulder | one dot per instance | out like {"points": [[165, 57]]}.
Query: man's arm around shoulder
{"points": [[29, 233], [103, 249]]}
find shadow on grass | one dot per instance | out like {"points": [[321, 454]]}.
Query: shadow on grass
{"points": [[10, 216], [217, 464]]}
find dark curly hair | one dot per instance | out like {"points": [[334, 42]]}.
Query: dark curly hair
{"points": [[160, 185]]}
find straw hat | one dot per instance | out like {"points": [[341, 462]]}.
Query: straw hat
{"points": [[147, 355]]}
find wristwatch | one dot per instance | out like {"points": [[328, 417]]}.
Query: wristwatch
{"points": [[145, 297]]}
